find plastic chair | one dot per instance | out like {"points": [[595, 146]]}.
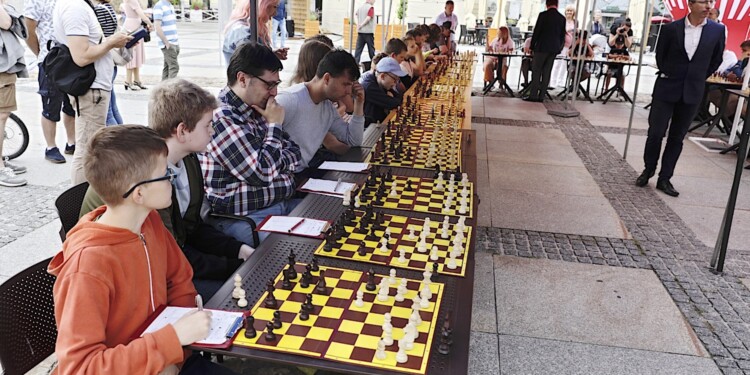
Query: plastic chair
{"points": [[463, 35], [68, 206], [27, 319]]}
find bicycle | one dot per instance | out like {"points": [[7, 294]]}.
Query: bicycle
{"points": [[16, 138]]}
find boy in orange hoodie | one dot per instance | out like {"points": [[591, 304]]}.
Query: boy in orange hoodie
{"points": [[119, 263]]}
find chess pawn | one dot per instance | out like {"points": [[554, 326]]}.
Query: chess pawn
{"points": [[392, 276], [400, 294], [383, 292], [388, 336], [465, 192], [425, 294], [416, 317], [464, 179], [444, 234], [387, 322], [427, 276], [380, 352], [242, 302], [462, 209], [237, 286], [401, 356], [434, 254], [393, 191], [402, 255], [416, 302], [383, 246], [422, 247], [451, 261], [357, 203], [439, 185], [409, 338], [347, 198], [359, 302], [412, 237]]}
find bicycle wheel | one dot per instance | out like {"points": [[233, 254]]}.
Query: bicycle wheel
{"points": [[16, 138]]}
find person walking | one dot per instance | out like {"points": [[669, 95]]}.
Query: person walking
{"points": [[165, 22], [279, 21], [690, 50], [134, 16], [365, 30], [108, 21], [546, 42]]}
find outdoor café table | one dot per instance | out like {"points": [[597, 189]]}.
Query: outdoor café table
{"points": [[499, 71], [715, 120], [617, 88], [581, 90]]}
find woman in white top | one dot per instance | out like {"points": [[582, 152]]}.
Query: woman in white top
{"points": [[501, 44], [559, 71]]}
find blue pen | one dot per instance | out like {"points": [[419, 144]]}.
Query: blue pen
{"points": [[234, 327]]}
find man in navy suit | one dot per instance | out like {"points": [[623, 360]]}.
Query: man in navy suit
{"points": [[689, 51], [547, 41]]}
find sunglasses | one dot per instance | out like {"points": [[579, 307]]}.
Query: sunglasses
{"points": [[170, 176]]}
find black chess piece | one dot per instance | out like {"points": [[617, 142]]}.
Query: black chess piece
{"points": [[308, 304], [304, 282], [277, 319], [286, 283], [389, 175], [315, 267], [320, 287], [303, 314], [270, 336], [434, 271], [270, 301], [249, 327], [437, 172], [362, 249], [308, 273], [371, 234], [292, 261], [329, 244], [408, 186], [444, 348], [370, 286]]}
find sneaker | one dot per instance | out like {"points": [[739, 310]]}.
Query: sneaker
{"points": [[17, 169], [70, 149], [8, 178], [54, 155]]}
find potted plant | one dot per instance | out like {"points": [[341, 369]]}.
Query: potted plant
{"points": [[196, 11], [312, 25]]}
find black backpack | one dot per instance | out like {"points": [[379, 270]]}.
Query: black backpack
{"points": [[62, 71]]}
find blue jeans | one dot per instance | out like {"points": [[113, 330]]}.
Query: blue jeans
{"points": [[113, 114], [275, 27], [241, 230]]}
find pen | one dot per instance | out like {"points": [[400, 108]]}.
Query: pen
{"points": [[297, 225], [337, 185], [199, 302]]}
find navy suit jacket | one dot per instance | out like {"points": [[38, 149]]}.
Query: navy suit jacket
{"points": [[680, 78], [549, 32]]}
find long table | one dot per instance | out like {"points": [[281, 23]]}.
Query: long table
{"points": [[271, 256]]}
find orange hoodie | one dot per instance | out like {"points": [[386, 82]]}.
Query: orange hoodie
{"points": [[109, 281]]}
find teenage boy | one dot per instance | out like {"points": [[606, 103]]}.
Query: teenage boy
{"points": [[380, 96], [119, 264], [396, 49], [309, 113], [249, 167], [181, 112], [165, 23]]}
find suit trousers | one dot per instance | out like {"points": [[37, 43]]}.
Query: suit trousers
{"points": [[541, 68], [681, 115]]}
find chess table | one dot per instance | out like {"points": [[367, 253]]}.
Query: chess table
{"points": [[271, 257]]}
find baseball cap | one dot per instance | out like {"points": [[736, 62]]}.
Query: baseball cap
{"points": [[448, 25], [389, 65]]}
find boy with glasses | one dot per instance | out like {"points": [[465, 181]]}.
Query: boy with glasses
{"points": [[249, 167], [380, 96], [181, 112], [119, 264]]}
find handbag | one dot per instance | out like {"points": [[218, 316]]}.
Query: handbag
{"points": [[121, 56]]}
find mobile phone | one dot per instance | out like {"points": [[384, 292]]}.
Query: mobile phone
{"points": [[137, 36]]}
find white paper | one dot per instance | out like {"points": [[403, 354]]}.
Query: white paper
{"points": [[221, 323], [344, 166], [328, 186], [283, 224]]}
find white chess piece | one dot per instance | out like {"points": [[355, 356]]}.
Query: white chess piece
{"points": [[462, 209], [417, 317], [434, 253], [422, 246], [412, 236], [402, 255], [451, 262], [400, 291], [444, 234], [401, 356], [242, 301], [383, 246], [425, 294], [392, 276], [393, 191], [416, 302], [347, 198], [359, 302], [383, 291], [380, 352], [357, 203], [388, 336], [409, 339], [387, 322], [427, 276], [387, 233], [464, 192]]}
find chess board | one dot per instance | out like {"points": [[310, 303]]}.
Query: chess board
{"points": [[399, 226], [423, 196], [415, 149], [338, 330]]}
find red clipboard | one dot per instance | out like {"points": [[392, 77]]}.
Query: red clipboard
{"points": [[259, 228], [228, 343]]}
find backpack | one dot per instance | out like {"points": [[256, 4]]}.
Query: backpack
{"points": [[62, 71]]}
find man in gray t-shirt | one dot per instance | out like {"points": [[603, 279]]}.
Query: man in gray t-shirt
{"points": [[76, 26], [310, 117]]}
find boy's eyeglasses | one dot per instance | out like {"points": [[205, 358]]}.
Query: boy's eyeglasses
{"points": [[270, 85], [171, 175]]}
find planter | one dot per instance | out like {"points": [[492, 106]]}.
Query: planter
{"points": [[196, 15], [312, 28]]}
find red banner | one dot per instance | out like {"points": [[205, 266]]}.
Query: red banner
{"points": [[734, 14]]}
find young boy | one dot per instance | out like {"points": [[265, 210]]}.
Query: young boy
{"points": [[397, 50], [119, 263], [380, 96], [181, 112]]}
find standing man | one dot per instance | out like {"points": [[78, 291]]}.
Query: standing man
{"points": [[38, 15], [76, 26], [448, 15], [690, 50], [279, 20], [547, 41], [365, 29], [165, 22], [596, 27]]}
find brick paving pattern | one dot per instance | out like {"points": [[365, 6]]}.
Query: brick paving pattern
{"points": [[26, 209]]}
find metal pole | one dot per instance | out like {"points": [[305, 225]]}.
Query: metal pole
{"points": [[376, 26], [254, 20], [351, 27], [388, 20], [720, 250], [646, 27], [581, 52]]}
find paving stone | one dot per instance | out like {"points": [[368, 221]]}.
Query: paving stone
{"points": [[483, 354], [483, 313]]}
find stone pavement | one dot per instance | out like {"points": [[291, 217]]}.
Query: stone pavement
{"points": [[578, 270]]}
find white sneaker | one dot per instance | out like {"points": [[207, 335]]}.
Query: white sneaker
{"points": [[8, 178], [17, 169]]}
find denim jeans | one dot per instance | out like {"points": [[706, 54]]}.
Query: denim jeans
{"points": [[241, 230], [113, 114], [275, 27]]}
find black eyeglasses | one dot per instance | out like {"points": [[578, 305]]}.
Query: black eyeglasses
{"points": [[270, 85], [169, 176]]}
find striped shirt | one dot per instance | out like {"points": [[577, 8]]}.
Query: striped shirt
{"points": [[164, 11], [249, 162], [107, 18]]}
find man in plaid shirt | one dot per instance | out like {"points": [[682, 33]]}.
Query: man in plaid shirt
{"points": [[248, 168]]}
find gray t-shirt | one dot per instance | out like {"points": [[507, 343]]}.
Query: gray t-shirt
{"points": [[181, 186], [308, 123], [76, 18]]}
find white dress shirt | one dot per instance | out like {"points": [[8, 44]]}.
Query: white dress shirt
{"points": [[693, 36]]}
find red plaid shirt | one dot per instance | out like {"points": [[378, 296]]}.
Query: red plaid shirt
{"points": [[249, 163]]}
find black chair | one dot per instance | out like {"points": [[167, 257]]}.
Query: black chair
{"points": [[515, 34], [68, 206], [27, 319], [463, 35], [246, 219]]}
